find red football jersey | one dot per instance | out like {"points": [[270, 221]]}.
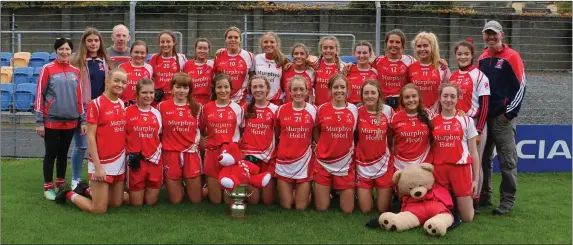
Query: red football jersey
{"points": [[308, 74], [143, 129], [258, 132], [472, 84], [164, 68], [451, 137], [356, 78], [134, 74], [335, 145], [237, 67], [428, 79], [294, 151], [221, 122], [109, 116], [392, 74], [202, 77], [180, 127], [372, 153], [323, 73], [411, 140]]}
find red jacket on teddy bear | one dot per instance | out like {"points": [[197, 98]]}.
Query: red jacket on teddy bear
{"points": [[236, 171]]}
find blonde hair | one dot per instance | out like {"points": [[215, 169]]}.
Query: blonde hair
{"points": [[110, 77], [298, 78], [280, 59], [433, 40], [336, 44]]}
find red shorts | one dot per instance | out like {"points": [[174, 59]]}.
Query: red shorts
{"points": [[382, 182], [426, 210], [172, 161], [149, 175], [323, 177], [110, 178], [309, 174], [457, 178], [211, 163]]}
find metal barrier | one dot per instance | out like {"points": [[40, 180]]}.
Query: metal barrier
{"points": [[245, 35]]}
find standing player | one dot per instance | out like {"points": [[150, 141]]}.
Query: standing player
{"points": [[426, 73], [165, 63], [328, 65], [360, 72], [270, 64], [200, 69], [119, 52], [181, 137], [412, 129], [220, 123], [236, 63], [106, 146], [294, 163], [336, 122], [300, 54], [374, 164], [144, 124], [456, 162], [258, 141], [136, 70]]}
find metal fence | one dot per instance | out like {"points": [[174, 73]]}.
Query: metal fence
{"points": [[544, 42]]}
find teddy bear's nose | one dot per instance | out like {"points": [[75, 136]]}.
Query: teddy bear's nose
{"points": [[418, 194]]}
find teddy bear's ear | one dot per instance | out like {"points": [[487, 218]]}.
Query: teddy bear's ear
{"points": [[396, 176], [427, 166]]}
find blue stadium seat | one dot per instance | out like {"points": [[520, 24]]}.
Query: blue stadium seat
{"points": [[39, 59], [34, 77], [53, 56], [290, 58], [22, 75], [5, 58], [347, 59], [24, 96], [148, 58], [6, 91]]}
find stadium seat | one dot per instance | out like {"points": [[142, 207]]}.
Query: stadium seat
{"points": [[5, 58], [22, 75], [21, 59], [148, 58], [24, 96], [6, 74], [6, 91], [39, 59], [34, 77], [290, 58], [347, 59], [53, 56]]}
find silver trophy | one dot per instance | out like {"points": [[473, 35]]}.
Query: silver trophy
{"points": [[239, 207]]}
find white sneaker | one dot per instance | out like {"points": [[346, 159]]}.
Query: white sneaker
{"points": [[75, 183]]}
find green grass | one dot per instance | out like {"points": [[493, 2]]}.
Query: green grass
{"points": [[542, 215]]}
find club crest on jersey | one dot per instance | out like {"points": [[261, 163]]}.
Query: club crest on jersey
{"points": [[499, 63], [101, 68], [174, 68], [348, 118], [307, 119], [145, 119], [180, 113], [230, 113], [268, 116], [74, 77]]}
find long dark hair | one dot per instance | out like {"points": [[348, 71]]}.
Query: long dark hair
{"points": [[421, 110], [219, 77], [250, 113]]}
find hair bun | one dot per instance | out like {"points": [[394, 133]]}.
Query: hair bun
{"points": [[470, 40]]}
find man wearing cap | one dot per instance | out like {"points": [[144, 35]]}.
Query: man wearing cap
{"points": [[504, 68], [119, 52]]}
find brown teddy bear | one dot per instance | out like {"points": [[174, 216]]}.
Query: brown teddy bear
{"points": [[423, 202]]}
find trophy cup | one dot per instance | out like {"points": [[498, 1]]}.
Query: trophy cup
{"points": [[239, 207]]}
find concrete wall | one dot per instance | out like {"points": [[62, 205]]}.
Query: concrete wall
{"points": [[544, 42]]}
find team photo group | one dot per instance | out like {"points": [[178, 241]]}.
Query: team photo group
{"points": [[298, 129]]}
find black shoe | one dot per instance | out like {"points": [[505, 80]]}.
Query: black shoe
{"points": [[81, 188], [61, 194], [501, 211], [485, 203], [457, 220]]}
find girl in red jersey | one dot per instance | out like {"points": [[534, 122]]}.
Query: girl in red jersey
{"points": [[258, 141], [165, 63], [235, 62], [456, 162], [327, 66], [136, 70], [270, 64], [474, 93], [106, 136], [426, 73], [412, 129], [360, 72], [145, 169], [336, 122], [300, 54], [220, 123], [374, 165], [294, 163], [200, 69], [180, 115]]}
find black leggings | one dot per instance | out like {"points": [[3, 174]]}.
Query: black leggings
{"points": [[57, 143]]}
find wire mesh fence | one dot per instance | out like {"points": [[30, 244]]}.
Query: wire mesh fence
{"points": [[543, 41]]}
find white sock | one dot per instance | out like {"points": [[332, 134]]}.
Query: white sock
{"points": [[74, 197]]}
